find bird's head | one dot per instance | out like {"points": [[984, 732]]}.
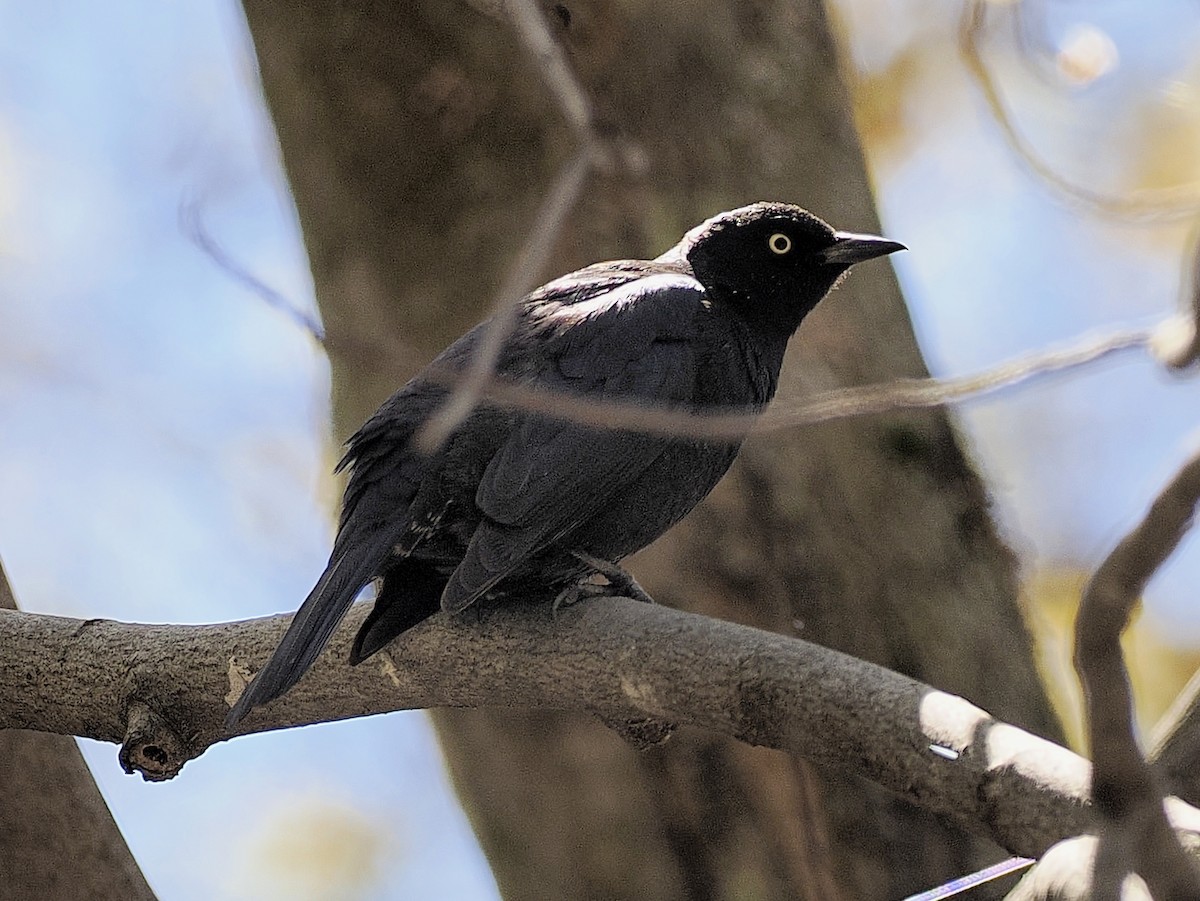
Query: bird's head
{"points": [[773, 262]]}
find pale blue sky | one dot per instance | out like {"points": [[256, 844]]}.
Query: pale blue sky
{"points": [[164, 456]]}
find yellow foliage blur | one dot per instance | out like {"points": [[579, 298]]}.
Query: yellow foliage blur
{"points": [[1157, 670], [1167, 150], [313, 848]]}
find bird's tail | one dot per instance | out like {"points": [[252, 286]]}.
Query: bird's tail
{"points": [[410, 594], [347, 573]]}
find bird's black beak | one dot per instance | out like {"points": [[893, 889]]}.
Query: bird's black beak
{"points": [[848, 248]]}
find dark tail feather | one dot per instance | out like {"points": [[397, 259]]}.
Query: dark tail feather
{"points": [[314, 622], [410, 594]]}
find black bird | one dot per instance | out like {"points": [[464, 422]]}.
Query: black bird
{"points": [[519, 502]]}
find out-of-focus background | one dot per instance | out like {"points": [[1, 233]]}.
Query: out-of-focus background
{"points": [[164, 454]]}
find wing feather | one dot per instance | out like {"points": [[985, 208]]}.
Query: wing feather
{"points": [[552, 475]]}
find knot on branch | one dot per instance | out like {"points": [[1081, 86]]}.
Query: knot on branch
{"points": [[151, 747], [1176, 342]]}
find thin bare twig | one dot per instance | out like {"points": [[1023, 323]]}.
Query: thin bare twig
{"points": [[191, 221], [1136, 836], [1145, 204], [974, 880], [576, 106], [526, 16], [470, 387], [931, 392], [839, 403]]}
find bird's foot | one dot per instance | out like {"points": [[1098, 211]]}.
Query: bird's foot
{"points": [[577, 592], [619, 581]]}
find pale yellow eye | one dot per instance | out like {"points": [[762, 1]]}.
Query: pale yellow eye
{"points": [[779, 243]]}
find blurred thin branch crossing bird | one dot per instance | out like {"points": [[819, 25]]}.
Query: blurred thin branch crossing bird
{"points": [[838, 403], [577, 107]]}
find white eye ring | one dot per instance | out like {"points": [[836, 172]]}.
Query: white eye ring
{"points": [[779, 243]]}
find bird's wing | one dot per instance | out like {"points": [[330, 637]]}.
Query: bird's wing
{"points": [[635, 343]]}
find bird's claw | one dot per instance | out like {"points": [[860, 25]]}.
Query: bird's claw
{"points": [[573, 594], [619, 582]]}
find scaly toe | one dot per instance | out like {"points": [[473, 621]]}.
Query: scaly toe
{"points": [[619, 582]]}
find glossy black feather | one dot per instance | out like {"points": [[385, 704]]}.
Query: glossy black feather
{"points": [[504, 504]]}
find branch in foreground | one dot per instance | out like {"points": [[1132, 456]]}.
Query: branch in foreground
{"points": [[165, 690], [1135, 836], [1134, 852]]}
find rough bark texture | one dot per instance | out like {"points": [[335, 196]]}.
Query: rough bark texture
{"points": [[418, 141], [58, 841], [163, 691]]}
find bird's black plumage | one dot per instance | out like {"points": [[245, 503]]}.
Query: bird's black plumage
{"points": [[513, 496]]}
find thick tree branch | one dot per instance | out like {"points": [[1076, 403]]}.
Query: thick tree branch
{"points": [[164, 691]]}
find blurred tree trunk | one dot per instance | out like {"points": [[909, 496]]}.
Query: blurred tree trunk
{"points": [[58, 840], [419, 141]]}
